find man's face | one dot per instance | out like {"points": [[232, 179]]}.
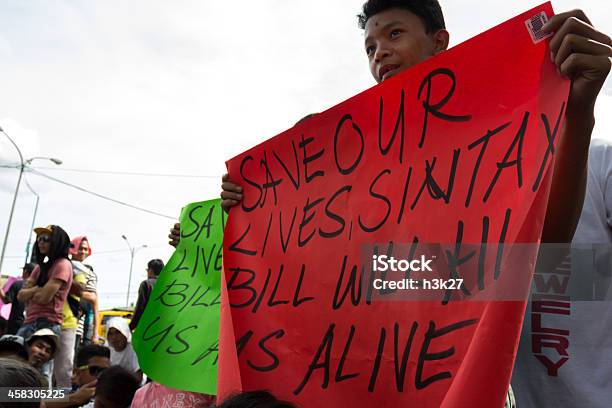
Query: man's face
{"points": [[82, 251], [40, 352], [395, 40], [95, 366], [116, 339]]}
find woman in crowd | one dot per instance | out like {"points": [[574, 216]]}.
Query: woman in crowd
{"points": [[119, 339], [47, 287]]}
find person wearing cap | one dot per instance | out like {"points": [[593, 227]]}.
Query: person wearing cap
{"points": [[46, 290], [42, 346], [81, 250], [12, 346], [17, 309]]}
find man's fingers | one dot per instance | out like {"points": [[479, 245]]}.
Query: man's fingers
{"points": [[575, 26], [228, 195], [175, 235], [557, 20], [573, 43], [229, 186], [585, 65], [228, 203], [231, 194]]}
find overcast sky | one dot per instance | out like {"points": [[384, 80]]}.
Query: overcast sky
{"points": [[175, 87]]}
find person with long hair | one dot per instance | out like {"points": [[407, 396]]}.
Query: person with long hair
{"points": [[47, 288]]}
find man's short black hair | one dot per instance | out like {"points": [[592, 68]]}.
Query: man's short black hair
{"points": [[118, 386], [429, 11], [252, 399], [156, 265], [91, 350], [15, 374]]}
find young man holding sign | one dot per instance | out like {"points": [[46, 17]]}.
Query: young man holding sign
{"points": [[399, 35], [403, 33]]}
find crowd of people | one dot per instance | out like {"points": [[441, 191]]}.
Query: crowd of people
{"points": [[50, 338]]}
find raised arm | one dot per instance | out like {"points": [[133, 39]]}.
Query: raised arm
{"points": [[582, 54]]}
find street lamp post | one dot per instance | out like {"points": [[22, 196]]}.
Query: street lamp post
{"points": [[8, 226], [29, 244], [133, 251], [22, 166]]}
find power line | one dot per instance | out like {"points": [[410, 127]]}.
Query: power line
{"points": [[112, 251], [129, 173], [108, 251], [100, 195]]}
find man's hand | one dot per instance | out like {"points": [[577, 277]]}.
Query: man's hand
{"points": [[175, 235], [84, 393], [80, 397], [231, 194], [582, 54]]}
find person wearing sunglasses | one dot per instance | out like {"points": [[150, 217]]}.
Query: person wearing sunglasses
{"points": [[47, 288], [90, 362]]}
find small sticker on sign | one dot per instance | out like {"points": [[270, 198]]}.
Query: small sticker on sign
{"points": [[534, 26]]}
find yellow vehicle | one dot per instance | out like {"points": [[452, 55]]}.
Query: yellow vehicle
{"points": [[105, 315]]}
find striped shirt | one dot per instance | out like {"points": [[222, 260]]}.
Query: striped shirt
{"points": [[91, 283]]}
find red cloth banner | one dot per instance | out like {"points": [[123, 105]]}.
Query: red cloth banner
{"points": [[454, 150]]}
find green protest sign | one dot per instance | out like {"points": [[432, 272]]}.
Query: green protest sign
{"points": [[177, 338]]}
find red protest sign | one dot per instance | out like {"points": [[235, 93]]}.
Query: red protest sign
{"points": [[454, 150]]}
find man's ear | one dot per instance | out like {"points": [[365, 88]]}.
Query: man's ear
{"points": [[440, 40]]}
